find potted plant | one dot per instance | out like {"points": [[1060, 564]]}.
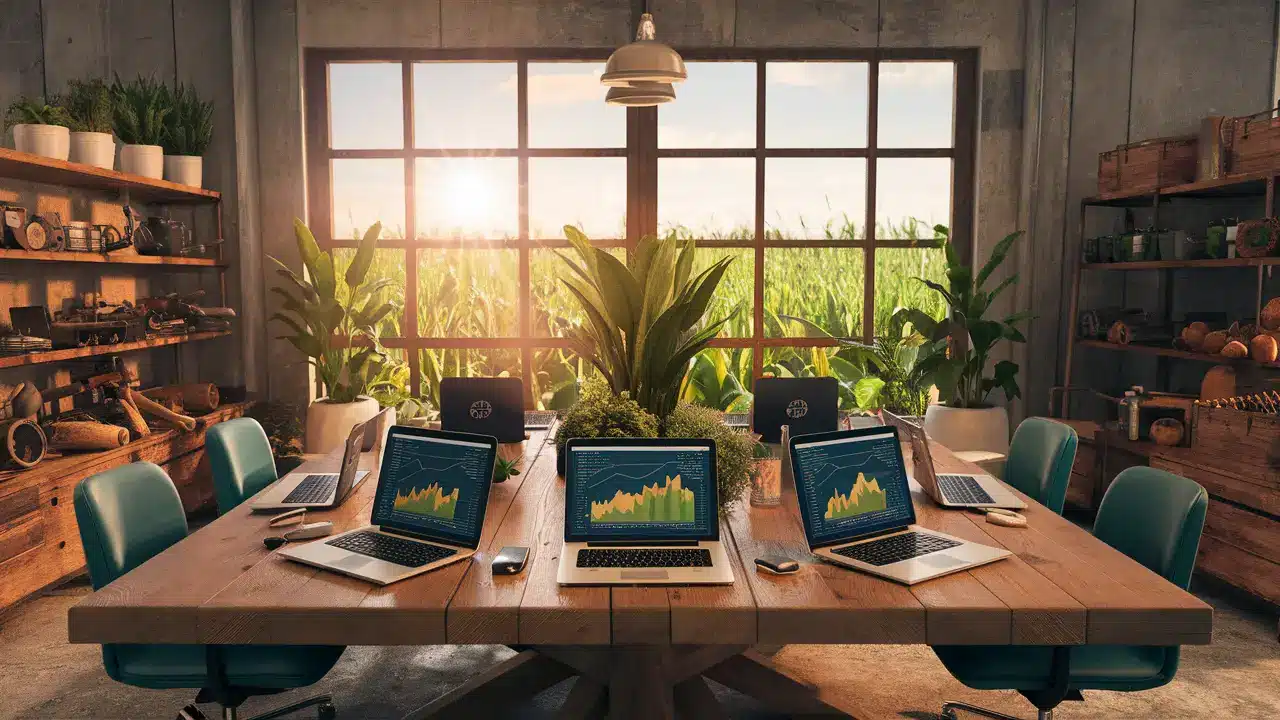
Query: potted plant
{"points": [[899, 368], [734, 453], [504, 468], [188, 130], [337, 332], [283, 424], [140, 108], [965, 420], [600, 412], [644, 319], [88, 104], [40, 127]]}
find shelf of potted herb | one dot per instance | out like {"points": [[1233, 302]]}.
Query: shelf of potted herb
{"points": [[88, 104], [188, 130], [139, 109], [40, 127]]}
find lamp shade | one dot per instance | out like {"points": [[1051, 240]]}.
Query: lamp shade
{"points": [[644, 61], [644, 94]]}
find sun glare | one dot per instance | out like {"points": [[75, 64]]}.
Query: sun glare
{"points": [[470, 198]]}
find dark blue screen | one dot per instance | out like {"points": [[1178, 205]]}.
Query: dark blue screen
{"points": [[851, 486], [640, 493], [433, 486]]}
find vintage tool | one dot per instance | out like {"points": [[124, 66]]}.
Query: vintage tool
{"points": [[192, 397], [136, 232], [32, 320], [19, 401], [22, 443], [168, 237], [44, 232], [112, 240], [15, 226], [85, 435], [1267, 401], [151, 407], [12, 344]]}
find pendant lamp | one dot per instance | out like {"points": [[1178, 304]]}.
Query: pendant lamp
{"points": [[641, 94], [644, 61]]}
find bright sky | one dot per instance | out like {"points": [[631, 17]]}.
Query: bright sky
{"points": [[473, 105]]}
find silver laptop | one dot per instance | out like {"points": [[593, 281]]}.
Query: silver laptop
{"points": [[953, 490], [318, 490], [857, 511], [433, 489], [642, 512]]}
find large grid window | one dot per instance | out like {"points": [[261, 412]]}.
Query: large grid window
{"points": [[822, 175]]}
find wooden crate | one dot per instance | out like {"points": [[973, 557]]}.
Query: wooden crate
{"points": [[1148, 165], [1251, 143], [1239, 442]]}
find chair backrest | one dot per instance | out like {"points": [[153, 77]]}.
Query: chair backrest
{"points": [[1154, 517], [1040, 458], [126, 516], [241, 460]]}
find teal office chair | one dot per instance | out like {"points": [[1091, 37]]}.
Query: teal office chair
{"points": [[241, 460], [1154, 517], [1040, 458], [128, 515]]}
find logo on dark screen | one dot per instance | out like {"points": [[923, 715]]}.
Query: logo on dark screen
{"points": [[481, 409], [797, 409]]}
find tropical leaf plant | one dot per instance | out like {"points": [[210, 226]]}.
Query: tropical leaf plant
{"points": [[713, 381], [26, 111], [188, 127], [645, 319], [337, 332], [900, 367], [88, 103], [140, 108], [962, 375]]}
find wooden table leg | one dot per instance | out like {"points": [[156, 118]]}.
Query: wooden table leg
{"points": [[753, 675], [515, 679], [587, 700], [638, 685], [695, 701]]}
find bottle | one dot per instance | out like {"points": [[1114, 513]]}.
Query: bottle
{"points": [[1131, 414]]}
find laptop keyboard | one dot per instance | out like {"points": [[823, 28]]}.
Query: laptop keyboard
{"points": [[963, 490], [895, 548], [739, 420], [644, 558], [313, 489], [392, 549], [538, 419]]}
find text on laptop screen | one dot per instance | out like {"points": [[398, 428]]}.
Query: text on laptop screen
{"points": [[433, 486], [852, 486], [641, 492]]}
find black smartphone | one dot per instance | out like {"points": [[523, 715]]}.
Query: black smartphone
{"points": [[510, 560], [777, 564]]}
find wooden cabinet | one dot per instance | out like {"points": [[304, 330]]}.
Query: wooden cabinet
{"points": [[39, 539]]}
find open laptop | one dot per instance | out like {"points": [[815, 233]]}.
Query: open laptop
{"points": [[953, 490], [433, 488], [642, 511], [539, 419], [857, 511], [807, 405], [483, 405], [319, 490]]}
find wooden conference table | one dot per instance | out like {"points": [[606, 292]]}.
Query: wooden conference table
{"points": [[639, 651]]}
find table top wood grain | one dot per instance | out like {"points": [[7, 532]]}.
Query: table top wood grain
{"points": [[221, 585]]}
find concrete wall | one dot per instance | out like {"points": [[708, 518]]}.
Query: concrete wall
{"points": [[44, 44], [1120, 71]]}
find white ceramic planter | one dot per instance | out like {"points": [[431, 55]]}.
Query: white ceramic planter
{"points": [[51, 141], [184, 169], [144, 160], [94, 148], [961, 429], [329, 424]]}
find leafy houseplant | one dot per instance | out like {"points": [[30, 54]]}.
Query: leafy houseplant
{"points": [[140, 108], [645, 319], [962, 375], [733, 449], [711, 381], [40, 127], [188, 130], [900, 365], [90, 108], [601, 413], [504, 468], [336, 331]]}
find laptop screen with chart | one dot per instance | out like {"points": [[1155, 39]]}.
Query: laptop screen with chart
{"points": [[851, 486], [434, 487], [641, 490]]}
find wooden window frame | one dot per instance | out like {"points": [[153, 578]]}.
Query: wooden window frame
{"points": [[642, 154]]}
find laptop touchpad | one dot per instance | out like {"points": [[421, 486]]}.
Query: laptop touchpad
{"points": [[352, 562], [940, 560], [644, 574]]}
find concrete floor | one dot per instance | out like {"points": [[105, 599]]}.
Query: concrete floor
{"points": [[42, 676]]}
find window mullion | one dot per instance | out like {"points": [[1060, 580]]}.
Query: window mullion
{"points": [[757, 284], [869, 255], [410, 329], [525, 300]]}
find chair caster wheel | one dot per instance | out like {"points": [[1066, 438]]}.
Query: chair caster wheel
{"points": [[326, 711], [191, 712]]}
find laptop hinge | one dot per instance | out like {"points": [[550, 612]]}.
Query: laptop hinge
{"points": [[645, 543], [401, 533]]}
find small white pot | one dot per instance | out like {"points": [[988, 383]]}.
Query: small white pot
{"points": [[329, 424], [94, 148], [51, 141], [969, 428], [144, 160], [184, 169]]}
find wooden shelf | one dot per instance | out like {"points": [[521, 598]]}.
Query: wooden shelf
{"points": [[53, 356], [1170, 352], [1244, 185], [33, 168], [119, 257], [1237, 262]]}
